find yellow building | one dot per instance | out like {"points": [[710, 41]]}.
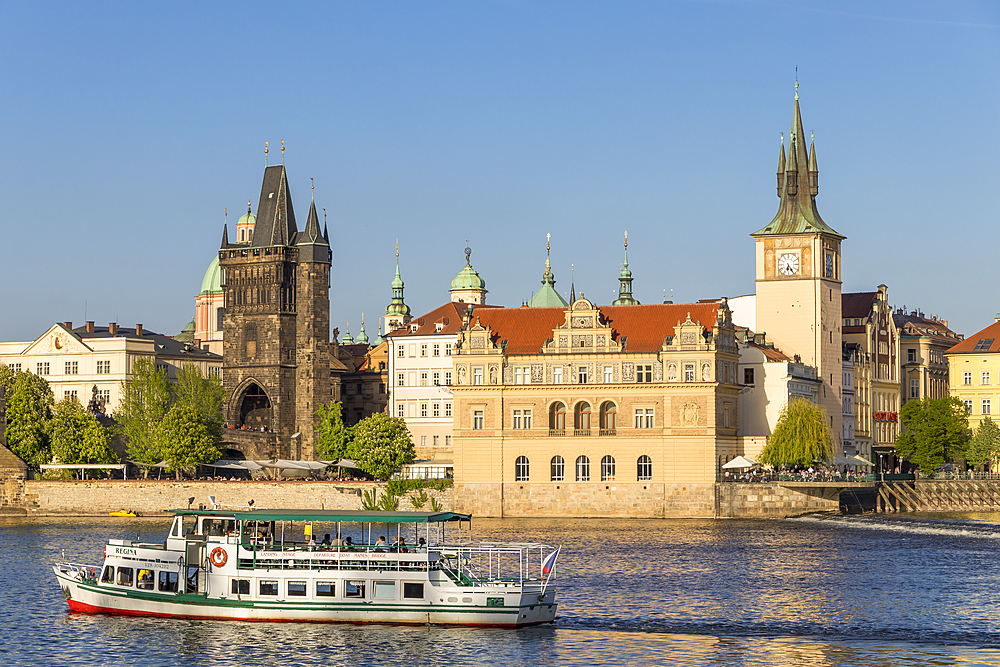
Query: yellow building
{"points": [[974, 373], [594, 410]]}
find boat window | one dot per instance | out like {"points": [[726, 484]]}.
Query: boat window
{"points": [[190, 524], [354, 589], [413, 591], [192, 580], [241, 587], [218, 527], [297, 589], [144, 580], [124, 576], [168, 581], [268, 587], [385, 590], [109, 574], [326, 589]]}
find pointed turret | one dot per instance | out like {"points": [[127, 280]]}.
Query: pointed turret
{"points": [[625, 283], [397, 313], [362, 336], [311, 233], [379, 340], [225, 235], [813, 169], [797, 212], [781, 166], [275, 225], [347, 339], [572, 284], [547, 296], [313, 246]]}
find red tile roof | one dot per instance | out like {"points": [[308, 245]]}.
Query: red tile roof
{"points": [[918, 325], [971, 344], [450, 315], [645, 327], [857, 304]]}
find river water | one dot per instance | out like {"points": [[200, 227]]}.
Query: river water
{"points": [[911, 590]]}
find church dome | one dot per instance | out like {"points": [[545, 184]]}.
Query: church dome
{"points": [[247, 218], [212, 282], [468, 279]]}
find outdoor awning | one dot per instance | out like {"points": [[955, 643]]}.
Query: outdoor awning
{"points": [[739, 462], [161, 464], [342, 463], [357, 516], [861, 461], [82, 466], [231, 464]]}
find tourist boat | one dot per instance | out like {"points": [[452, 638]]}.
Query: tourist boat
{"points": [[122, 513], [267, 565]]}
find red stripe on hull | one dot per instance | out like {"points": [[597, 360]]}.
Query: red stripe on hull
{"points": [[84, 608]]}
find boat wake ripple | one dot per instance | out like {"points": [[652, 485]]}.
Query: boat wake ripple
{"points": [[913, 525]]}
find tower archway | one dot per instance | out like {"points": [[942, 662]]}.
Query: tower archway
{"points": [[255, 409]]}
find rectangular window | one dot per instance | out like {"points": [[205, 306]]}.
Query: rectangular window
{"points": [[124, 576], [986, 406], [400, 410], [447, 378], [437, 349], [447, 349], [423, 350], [447, 409], [385, 590], [423, 441], [326, 589], [42, 368], [103, 367], [518, 377], [144, 580], [748, 377], [477, 420], [401, 351], [423, 379], [437, 440], [72, 368], [168, 582], [527, 418], [914, 388], [477, 376], [436, 377], [967, 377], [423, 409], [17, 368], [413, 591], [557, 375], [985, 377], [968, 406], [104, 395], [983, 345], [297, 589], [644, 417], [354, 589], [268, 587], [516, 422], [436, 410], [689, 372], [609, 374], [239, 587], [644, 373], [400, 379], [582, 375], [447, 442], [911, 355], [70, 394]]}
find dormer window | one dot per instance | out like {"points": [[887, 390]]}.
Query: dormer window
{"points": [[414, 327], [438, 327]]}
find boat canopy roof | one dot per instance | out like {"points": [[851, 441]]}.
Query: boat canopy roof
{"points": [[357, 516]]}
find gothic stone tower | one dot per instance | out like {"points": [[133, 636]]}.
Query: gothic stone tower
{"points": [[276, 354], [798, 272]]}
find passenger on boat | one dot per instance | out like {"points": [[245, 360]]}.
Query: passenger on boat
{"points": [[381, 544], [402, 545], [326, 540], [349, 543], [421, 544]]}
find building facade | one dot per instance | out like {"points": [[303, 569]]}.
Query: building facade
{"points": [[923, 342], [276, 327], [612, 409], [974, 373], [75, 360]]}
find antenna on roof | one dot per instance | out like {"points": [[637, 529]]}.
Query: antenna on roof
{"points": [[265, 155]]}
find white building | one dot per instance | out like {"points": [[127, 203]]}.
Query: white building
{"points": [[74, 361]]}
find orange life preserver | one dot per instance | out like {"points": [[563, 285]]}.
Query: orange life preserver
{"points": [[219, 556]]}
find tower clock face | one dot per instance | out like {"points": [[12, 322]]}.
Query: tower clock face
{"points": [[788, 264]]}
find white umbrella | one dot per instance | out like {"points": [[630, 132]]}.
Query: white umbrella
{"points": [[861, 461], [740, 462]]}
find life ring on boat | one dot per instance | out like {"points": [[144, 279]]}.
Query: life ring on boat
{"points": [[219, 556]]}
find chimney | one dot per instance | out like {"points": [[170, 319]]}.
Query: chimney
{"points": [[197, 342], [68, 325], [90, 327], [944, 322], [138, 330], [113, 328]]}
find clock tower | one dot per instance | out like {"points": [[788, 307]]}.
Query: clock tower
{"points": [[798, 272]]}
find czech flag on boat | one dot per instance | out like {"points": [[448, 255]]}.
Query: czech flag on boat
{"points": [[550, 562]]}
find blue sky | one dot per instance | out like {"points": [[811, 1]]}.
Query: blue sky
{"points": [[128, 128]]}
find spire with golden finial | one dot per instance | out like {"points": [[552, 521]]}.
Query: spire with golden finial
{"points": [[249, 204], [265, 155], [283, 149]]}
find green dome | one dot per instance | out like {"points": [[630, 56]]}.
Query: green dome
{"points": [[247, 219], [467, 278], [212, 282]]}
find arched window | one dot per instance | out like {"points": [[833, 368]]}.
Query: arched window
{"points": [[557, 418], [609, 418], [521, 469], [558, 469], [255, 409], [645, 468], [582, 469], [581, 418], [608, 469], [220, 314]]}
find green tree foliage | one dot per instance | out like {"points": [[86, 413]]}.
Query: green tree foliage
{"points": [[185, 439], [205, 395], [334, 438], [77, 436], [800, 437], [6, 377], [935, 430], [145, 401], [985, 443], [29, 409], [381, 444]]}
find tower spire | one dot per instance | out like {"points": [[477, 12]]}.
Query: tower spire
{"points": [[265, 155], [547, 296], [625, 283], [397, 313], [572, 283]]}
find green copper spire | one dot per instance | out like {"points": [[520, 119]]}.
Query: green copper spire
{"points": [[625, 283], [379, 340], [797, 187], [397, 307], [362, 336], [547, 296], [347, 339]]}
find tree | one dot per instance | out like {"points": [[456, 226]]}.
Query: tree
{"points": [[800, 437], [333, 437], [985, 443], [184, 439], [381, 444], [206, 395], [6, 377], [144, 404], [935, 430], [29, 409], [77, 436]]}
